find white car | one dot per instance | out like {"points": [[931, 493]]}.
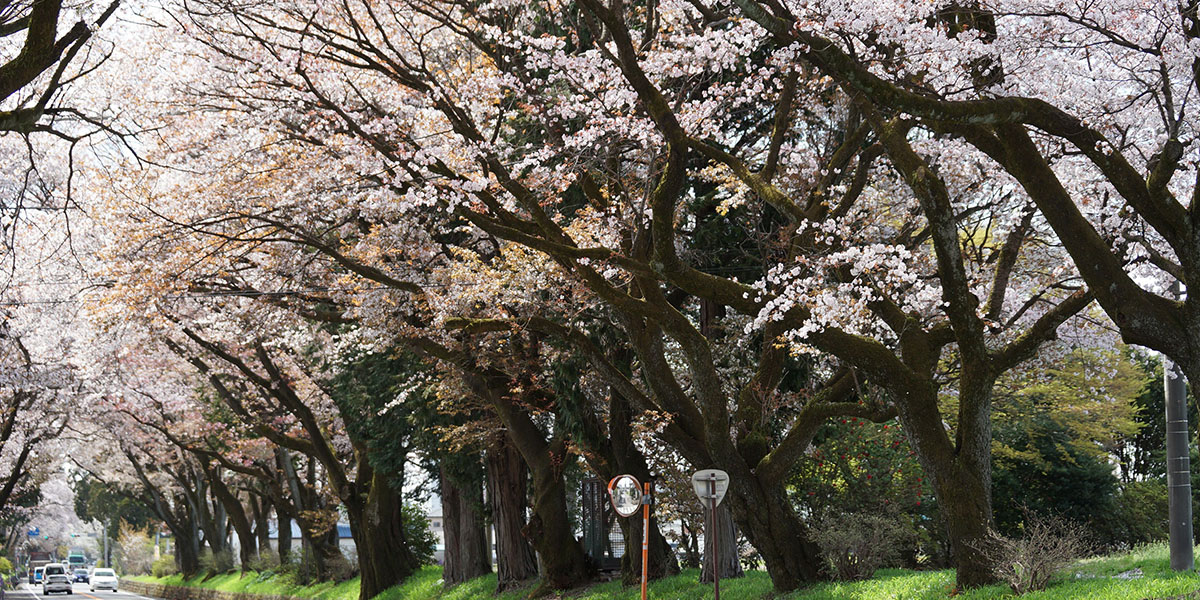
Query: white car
{"points": [[55, 579], [103, 579]]}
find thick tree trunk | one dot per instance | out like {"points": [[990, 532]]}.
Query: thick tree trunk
{"points": [[467, 554], [507, 479], [212, 521], [767, 519], [187, 555], [384, 556], [261, 511], [628, 459], [730, 563], [326, 559], [247, 543], [561, 560], [960, 474], [966, 505], [283, 533]]}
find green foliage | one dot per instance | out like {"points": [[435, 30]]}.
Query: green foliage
{"points": [[416, 532], [164, 566], [265, 562], [1087, 403], [859, 466], [94, 501], [1055, 430], [377, 395], [1138, 516], [216, 562], [22, 497], [6, 565], [1058, 478], [1143, 454]]}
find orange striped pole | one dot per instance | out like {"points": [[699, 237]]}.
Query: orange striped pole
{"points": [[645, 535]]}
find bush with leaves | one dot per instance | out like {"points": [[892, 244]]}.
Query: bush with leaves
{"points": [[164, 567], [854, 545], [416, 531], [215, 563], [265, 562], [1048, 544]]}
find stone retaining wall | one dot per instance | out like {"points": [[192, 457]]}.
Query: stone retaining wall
{"points": [[174, 592]]}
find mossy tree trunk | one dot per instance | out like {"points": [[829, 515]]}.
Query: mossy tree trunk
{"points": [[507, 479]]}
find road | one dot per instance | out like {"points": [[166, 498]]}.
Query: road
{"points": [[31, 592]]}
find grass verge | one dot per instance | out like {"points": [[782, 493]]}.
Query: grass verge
{"points": [[1090, 579]]}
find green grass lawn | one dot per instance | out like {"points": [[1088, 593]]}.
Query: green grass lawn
{"points": [[891, 584]]}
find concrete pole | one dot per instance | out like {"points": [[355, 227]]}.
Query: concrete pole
{"points": [[104, 558], [1179, 468]]}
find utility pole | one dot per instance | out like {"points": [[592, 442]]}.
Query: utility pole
{"points": [[1179, 468], [104, 557]]}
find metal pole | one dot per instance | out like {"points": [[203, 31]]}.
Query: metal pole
{"points": [[716, 533], [645, 534], [1179, 469]]}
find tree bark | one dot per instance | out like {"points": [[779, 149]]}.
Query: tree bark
{"points": [[247, 546], [467, 554], [283, 532], [561, 560], [628, 459], [384, 556], [327, 561], [187, 556], [960, 475], [260, 509], [768, 520], [730, 564], [507, 479]]}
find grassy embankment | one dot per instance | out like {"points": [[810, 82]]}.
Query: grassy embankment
{"points": [[892, 584]]}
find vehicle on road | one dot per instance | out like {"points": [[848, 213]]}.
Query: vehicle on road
{"points": [[56, 579], [81, 576], [103, 579], [37, 575]]}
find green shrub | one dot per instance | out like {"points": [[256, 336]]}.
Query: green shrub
{"points": [[290, 565], [417, 533], [264, 562], [215, 563], [854, 545], [1139, 516], [5, 565], [164, 566]]}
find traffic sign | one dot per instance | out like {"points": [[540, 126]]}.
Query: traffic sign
{"points": [[710, 484], [626, 495]]}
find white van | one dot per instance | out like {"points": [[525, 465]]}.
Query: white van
{"points": [[56, 579]]}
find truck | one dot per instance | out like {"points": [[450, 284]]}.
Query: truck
{"points": [[76, 560], [38, 560]]}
